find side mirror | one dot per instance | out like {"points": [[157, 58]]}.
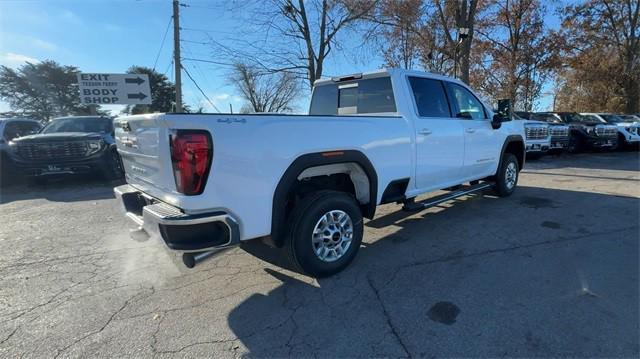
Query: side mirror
{"points": [[505, 113], [497, 121]]}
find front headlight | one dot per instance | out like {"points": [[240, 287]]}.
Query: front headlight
{"points": [[589, 130], [94, 146]]}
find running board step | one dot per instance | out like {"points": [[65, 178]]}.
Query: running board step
{"points": [[410, 205]]}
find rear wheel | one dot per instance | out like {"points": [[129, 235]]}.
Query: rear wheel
{"points": [[507, 177], [325, 233]]}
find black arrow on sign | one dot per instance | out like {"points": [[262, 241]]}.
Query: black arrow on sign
{"points": [[137, 80], [139, 96]]}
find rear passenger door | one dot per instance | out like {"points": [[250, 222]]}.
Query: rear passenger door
{"points": [[481, 141], [439, 137]]}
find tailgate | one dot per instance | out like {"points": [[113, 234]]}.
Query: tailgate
{"points": [[143, 144]]}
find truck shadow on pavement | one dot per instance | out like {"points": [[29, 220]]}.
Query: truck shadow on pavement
{"points": [[545, 272], [595, 161], [62, 189]]}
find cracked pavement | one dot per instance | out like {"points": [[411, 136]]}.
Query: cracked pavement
{"points": [[551, 271]]}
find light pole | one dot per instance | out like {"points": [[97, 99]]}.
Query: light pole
{"points": [[463, 33]]}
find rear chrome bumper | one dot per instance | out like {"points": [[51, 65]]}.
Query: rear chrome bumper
{"points": [[180, 231]]}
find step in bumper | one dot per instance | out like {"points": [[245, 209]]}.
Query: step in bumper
{"points": [[179, 231]]}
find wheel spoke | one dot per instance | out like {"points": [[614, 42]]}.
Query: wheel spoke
{"points": [[332, 235]]}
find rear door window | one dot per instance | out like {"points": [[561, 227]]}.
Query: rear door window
{"points": [[430, 97], [360, 97]]}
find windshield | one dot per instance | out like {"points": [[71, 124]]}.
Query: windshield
{"points": [[546, 117], [576, 117], [592, 119], [79, 124], [618, 118]]}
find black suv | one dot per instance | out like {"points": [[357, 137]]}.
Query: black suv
{"points": [[69, 145], [585, 132]]}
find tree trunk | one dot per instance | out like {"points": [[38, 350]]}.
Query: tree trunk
{"points": [[464, 58], [632, 92]]}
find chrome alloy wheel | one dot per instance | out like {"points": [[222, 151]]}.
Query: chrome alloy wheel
{"points": [[511, 175], [332, 236]]}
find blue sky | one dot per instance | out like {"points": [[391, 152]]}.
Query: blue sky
{"points": [[110, 36]]}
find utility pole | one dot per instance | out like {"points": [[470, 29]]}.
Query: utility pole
{"points": [[176, 55]]}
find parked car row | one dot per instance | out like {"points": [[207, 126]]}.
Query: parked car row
{"points": [[85, 144], [67, 145], [576, 132]]}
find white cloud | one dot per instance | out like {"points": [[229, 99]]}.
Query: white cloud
{"points": [[221, 101], [221, 97], [10, 59], [70, 16], [24, 40], [44, 45]]}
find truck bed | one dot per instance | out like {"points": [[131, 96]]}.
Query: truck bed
{"points": [[251, 153]]}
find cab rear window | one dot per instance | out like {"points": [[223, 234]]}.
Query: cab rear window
{"points": [[359, 97]]}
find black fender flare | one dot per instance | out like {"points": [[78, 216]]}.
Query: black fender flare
{"points": [[290, 176], [511, 139]]}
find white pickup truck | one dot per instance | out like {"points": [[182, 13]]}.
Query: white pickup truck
{"points": [[203, 182]]}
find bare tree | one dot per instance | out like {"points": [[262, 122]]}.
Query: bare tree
{"points": [[264, 92], [458, 14], [608, 30], [297, 35], [517, 52], [398, 31]]}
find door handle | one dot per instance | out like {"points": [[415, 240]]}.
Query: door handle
{"points": [[425, 132], [471, 130]]}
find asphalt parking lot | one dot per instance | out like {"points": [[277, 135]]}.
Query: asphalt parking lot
{"points": [[551, 271]]}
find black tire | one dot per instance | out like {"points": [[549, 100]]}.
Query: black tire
{"points": [[621, 144], [38, 180], [575, 145], [502, 186], [534, 155], [302, 222], [115, 169]]}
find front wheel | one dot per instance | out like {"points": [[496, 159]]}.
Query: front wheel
{"points": [[325, 233], [115, 168], [507, 176], [575, 145]]}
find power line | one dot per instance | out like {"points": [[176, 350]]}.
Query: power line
{"points": [[168, 67], [200, 6], [198, 87], [194, 42], [209, 31], [162, 43], [208, 61], [196, 67]]}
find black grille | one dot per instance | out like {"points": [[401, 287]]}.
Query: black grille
{"points": [[52, 150]]}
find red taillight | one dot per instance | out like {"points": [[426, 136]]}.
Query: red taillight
{"points": [[191, 153]]}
